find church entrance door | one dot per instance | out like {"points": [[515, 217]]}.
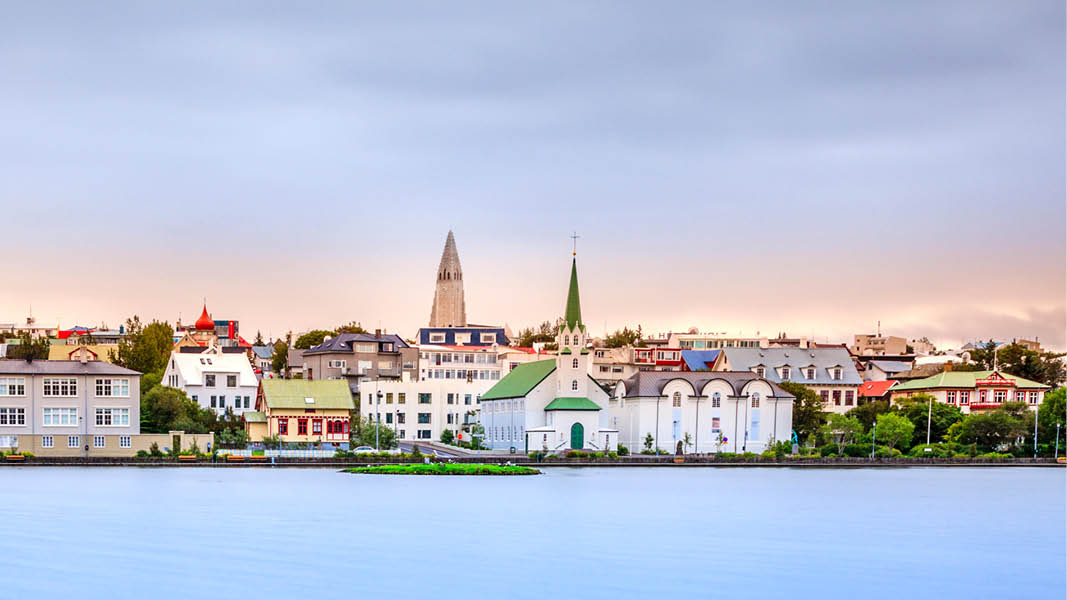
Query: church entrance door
{"points": [[577, 436]]}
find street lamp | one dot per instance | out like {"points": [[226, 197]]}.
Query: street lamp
{"points": [[874, 436], [1057, 455], [377, 420], [929, 414]]}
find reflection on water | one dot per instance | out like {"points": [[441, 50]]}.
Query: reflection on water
{"points": [[571, 533]]}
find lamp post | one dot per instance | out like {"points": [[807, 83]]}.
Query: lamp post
{"points": [[377, 420], [1057, 455], [929, 414], [1035, 434], [874, 436]]}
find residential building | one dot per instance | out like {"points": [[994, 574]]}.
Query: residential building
{"points": [[31, 326], [213, 379], [876, 344], [552, 404], [881, 370], [207, 331], [100, 352], [263, 361], [693, 340], [295, 363], [357, 357], [827, 370], [699, 360], [701, 412], [922, 346], [78, 335], [875, 390], [467, 363], [1030, 344], [299, 411], [423, 409], [612, 365], [974, 391], [69, 407]]}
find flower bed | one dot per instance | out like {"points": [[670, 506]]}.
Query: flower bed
{"points": [[445, 469]]}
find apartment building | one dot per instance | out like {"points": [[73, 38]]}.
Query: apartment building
{"points": [[421, 410], [871, 344]]}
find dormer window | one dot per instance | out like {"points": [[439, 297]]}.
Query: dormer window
{"points": [[837, 373], [760, 371], [785, 372], [811, 373]]}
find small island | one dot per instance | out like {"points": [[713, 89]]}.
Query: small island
{"points": [[445, 469]]}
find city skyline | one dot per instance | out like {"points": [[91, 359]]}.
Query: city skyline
{"points": [[738, 168]]}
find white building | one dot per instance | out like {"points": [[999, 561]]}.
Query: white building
{"points": [[701, 412], [829, 371], [214, 379], [422, 410]]}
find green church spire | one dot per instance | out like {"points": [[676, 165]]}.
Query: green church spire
{"points": [[573, 316]]}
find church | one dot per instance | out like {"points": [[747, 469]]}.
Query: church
{"points": [[551, 405]]}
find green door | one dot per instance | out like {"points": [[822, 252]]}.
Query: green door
{"points": [[577, 436]]}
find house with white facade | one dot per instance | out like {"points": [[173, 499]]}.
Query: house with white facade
{"points": [[701, 412], [423, 409], [213, 379], [827, 370]]}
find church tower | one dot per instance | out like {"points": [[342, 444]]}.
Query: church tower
{"points": [[449, 308], [572, 361]]}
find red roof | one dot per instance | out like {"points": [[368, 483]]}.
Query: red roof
{"points": [[875, 389], [205, 322]]}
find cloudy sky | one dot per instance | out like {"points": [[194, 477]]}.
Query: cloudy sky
{"points": [[807, 167]]}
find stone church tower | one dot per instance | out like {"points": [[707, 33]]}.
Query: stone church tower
{"points": [[449, 308]]}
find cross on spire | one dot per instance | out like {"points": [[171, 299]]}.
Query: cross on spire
{"points": [[574, 239]]}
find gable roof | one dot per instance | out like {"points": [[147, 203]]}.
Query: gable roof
{"points": [[822, 358], [892, 366], [572, 404], [650, 384], [263, 352], [62, 367], [521, 380], [696, 360], [293, 393], [963, 379], [875, 389], [193, 366], [343, 342]]}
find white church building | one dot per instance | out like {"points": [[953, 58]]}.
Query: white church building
{"points": [[551, 405]]}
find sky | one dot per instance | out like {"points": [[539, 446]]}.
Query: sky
{"points": [[752, 168]]}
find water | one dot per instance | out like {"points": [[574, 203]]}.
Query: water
{"points": [[571, 533]]}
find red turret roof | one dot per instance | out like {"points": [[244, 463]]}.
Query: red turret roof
{"points": [[205, 322]]}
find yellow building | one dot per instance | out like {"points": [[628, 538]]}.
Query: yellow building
{"points": [[300, 411], [101, 352]]}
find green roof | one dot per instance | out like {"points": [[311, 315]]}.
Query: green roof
{"points": [[565, 351], [521, 380], [294, 393], [254, 416], [572, 404], [960, 379], [573, 315]]}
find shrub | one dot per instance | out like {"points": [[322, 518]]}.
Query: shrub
{"points": [[613, 455], [447, 437], [142, 454], [154, 450], [623, 450], [935, 451], [829, 450], [727, 455], [857, 450], [996, 455], [537, 455], [648, 452], [598, 455], [886, 452], [576, 454]]}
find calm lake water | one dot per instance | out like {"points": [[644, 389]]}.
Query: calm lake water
{"points": [[571, 533]]}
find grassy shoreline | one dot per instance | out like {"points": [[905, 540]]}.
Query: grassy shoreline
{"points": [[444, 469]]}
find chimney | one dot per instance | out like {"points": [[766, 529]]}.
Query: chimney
{"points": [[377, 333], [84, 355], [948, 366]]}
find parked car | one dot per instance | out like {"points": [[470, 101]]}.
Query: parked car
{"points": [[364, 450]]}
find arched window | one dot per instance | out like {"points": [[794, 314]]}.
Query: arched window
{"points": [[716, 399], [574, 385], [574, 364], [755, 400], [676, 400]]}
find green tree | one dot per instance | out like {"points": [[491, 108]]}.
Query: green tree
{"points": [[29, 348], [150, 380], [279, 360], [894, 430], [808, 413], [363, 433], [623, 338], [649, 440], [311, 338], [1016, 359], [166, 409], [447, 437], [544, 333], [993, 431], [351, 327], [867, 412], [145, 348], [1053, 410], [259, 339], [943, 416], [841, 430]]}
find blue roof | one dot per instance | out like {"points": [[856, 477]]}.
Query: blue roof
{"points": [[263, 352], [697, 360]]}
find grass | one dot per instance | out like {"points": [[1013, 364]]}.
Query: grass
{"points": [[445, 469]]}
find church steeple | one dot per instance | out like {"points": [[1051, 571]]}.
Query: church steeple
{"points": [[573, 313], [449, 307]]}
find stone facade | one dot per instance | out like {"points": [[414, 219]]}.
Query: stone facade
{"points": [[449, 307]]}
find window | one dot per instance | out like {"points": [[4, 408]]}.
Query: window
{"points": [[119, 388], [837, 374], [716, 398], [401, 398], [338, 364], [247, 402], [388, 417], [785, 373], [107, 417], [982, 395], [301, 426], [231, 381], [837, 397], [574, 385], [48, 441], [448, 418], [488, 338], [811, 373], [389, 398], [715, 423], [316, 427], [1033, 397], [760, 372], [12, 416], [60, 416], [209, 380], [214, 401], [849, 397], [98, 441], [424, 418], [401, 418], [451, 398], [73, 441], [124, 441], [12, 386], [965, 397], [424, 434], [755, 400], [676, 400], [425, 398], [222, 401], [950, 396], [467, 399], [60, 387], [437, 338], [825, 395], [1000, 396], [283, 426]]}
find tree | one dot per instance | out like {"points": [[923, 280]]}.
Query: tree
{"points": [[145, 348], [259, 339], [545, 333], [648, 442], [166, 409], [623, 338], [807, 409], [687, 440], [29, 348], [943, 416], [351, 327], [363, 433], [842, 430], [447, 437], [894, 430], [1018, 360], [867, 412], [149, 381], [477, 435], [1053, 410], [311, 338], [279, 360], [992, 431]]}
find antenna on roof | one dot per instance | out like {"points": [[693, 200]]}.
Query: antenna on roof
{"points": [[879, 328]]}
